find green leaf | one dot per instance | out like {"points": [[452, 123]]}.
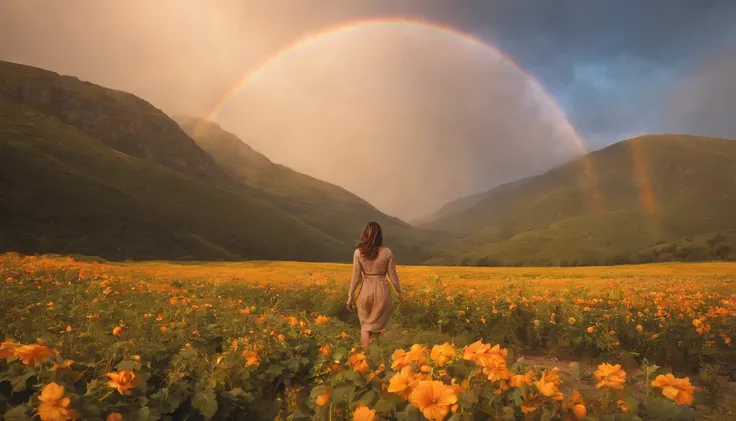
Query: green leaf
{"points": [[21, 381], [128, 365], [18, 414], [205, 402], [546, 415], [509, 413], [354, 377], [339, 354], [383, 406], [632, 404], [369, 399], [342, 394]]}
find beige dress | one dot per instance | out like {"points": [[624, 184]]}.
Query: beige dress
{"points": [[374, 299]]}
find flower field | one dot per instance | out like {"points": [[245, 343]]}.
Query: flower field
{"points": [[272, 340]]}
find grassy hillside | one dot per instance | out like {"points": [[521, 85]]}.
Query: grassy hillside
{"points": [[327, 207], [66, 192], [118, 119], [91, 170], [640, 192]]}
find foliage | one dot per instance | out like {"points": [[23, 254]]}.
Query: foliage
{"points": [[150, 341]]}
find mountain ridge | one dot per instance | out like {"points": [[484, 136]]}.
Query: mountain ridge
{"points": [[669, 186]]}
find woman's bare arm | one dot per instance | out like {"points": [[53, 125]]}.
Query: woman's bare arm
{"points": [[393, 275], [357, 272]]}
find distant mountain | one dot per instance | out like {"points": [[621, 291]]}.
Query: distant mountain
{"points": [[327, 207], [89, 170], [603, 208]]}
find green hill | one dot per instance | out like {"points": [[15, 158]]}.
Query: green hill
{"points": [[89, 170], [118, 119], [66, 192], [327, 207], [553, 218]]}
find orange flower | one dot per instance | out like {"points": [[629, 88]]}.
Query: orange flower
{"points": [[441, 354], [521, 379], [65, 364], [591, 329], [577, 405], [323, 398], [400, 382], [322, 319], [124, 381], [530, 403], [610, 376], [326, 350], [549, 384], [251, 358], [362, 413], [117, 331], [33, 353], [679, 390], [358, 363], [7, 349], [115, 416], [433, 398], [54, 405], [163, 329]]}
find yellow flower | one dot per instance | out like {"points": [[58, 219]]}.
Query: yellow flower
{"points": [[124, 381], [322, 319], [323, 398], [54, 405], [679, 390], [441, 354], [362, 413], [610, 376], [33, 353], [433, 398], [571, 320]]}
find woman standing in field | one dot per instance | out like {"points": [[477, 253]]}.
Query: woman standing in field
{"points": [[374, 263]]}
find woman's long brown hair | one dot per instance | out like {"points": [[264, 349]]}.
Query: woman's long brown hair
{"points": [[370, 240]]}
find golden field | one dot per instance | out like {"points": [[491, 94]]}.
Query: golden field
{"points": [[265, 340]]}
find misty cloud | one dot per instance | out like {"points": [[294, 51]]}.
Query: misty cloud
{"points": [[408, 118]]}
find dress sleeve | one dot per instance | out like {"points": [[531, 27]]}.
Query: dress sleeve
{"points": [[393, 275], [357, 273]]}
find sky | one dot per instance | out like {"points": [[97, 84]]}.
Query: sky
{"points": [[428, 117]]}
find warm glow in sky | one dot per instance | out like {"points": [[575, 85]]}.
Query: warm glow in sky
{"points": [[408, 118]]}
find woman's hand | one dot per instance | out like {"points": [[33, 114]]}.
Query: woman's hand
{"points": [[349, 305], [401, 298]]}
